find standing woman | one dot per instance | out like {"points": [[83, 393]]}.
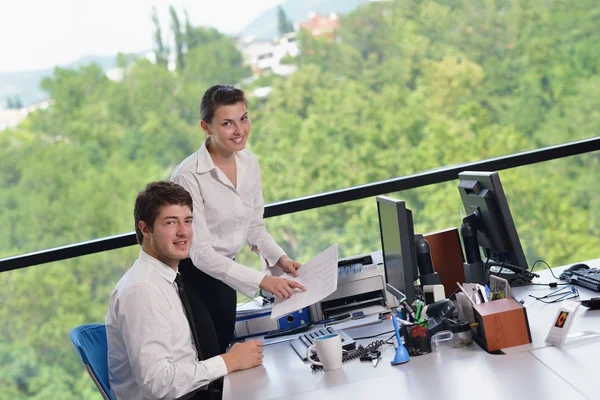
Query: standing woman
{"points": [[224, 181]]}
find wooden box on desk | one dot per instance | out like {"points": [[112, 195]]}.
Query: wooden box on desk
{"points": [[502, 323]]}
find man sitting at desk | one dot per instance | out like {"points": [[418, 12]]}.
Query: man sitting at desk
{"points": [[152, 351]]}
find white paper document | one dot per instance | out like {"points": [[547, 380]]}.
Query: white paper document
{"points": [[319, 276]]}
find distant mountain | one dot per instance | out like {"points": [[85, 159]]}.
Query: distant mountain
{"points": [[26, 84], [264, 26]]}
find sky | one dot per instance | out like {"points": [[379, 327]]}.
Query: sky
{"points": [[37, 34]]}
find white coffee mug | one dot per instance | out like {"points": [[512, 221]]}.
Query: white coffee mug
{"points": [[329, 350]]}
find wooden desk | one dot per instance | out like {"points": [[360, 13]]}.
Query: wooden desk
{"points": [[534, 371]]}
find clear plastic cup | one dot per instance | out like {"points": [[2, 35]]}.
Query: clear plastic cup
{"points": [[442, 341]]}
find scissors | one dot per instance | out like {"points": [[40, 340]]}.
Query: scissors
{"points": [[373, 357]]}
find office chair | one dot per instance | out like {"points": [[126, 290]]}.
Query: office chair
{"points": [[90, 342]]}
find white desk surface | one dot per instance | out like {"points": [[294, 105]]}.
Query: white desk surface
{"points": [[534, 371]]}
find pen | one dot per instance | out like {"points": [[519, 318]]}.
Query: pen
{"points": [[402, 321]]}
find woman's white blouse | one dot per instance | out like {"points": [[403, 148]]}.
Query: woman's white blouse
{"points": [[225, 217]]}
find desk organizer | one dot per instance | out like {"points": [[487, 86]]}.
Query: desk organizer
{"points": [[502, 323]]}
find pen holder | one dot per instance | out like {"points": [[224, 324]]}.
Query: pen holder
{"points": [[416, 339], [502, 323]]}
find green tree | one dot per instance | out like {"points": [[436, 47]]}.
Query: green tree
{"points": [[179, 38], [215, 60], [191, 39], [161, 50], [284, 25]]}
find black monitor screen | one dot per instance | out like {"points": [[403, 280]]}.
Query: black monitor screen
{"points": [[398, 245], [482, 193]]}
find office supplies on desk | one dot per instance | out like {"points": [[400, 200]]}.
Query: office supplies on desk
{"points": [[499, 288], [356, 353], [355, 323], [253, 320], [302, 342], [401, 355], [373, 357], [592, 304], [436, 313], [361, 287], [582, 275], [319, 276], [467, 294], [329, 351], [433, 293], [465, 307], [558, 295], [416, 339], [442, 341], [562, 323], [502, 323], [400, 320]]}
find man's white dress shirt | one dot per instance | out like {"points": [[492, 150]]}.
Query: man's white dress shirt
{"points": [[150, 350], [225, 217]]}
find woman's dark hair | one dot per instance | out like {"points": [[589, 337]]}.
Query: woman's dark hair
{"points": [[155, 196], [219, 95]]}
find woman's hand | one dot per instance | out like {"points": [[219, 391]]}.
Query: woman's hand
{"points": [[280, 287], [288, 265]]}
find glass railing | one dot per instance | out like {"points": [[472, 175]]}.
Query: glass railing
{"points": [[555, 206], [39, 306]]}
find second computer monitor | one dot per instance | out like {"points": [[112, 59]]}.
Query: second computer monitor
{"points": [[482, 194], [398, 245]]}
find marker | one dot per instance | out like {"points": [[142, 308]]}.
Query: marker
{"points": [[418, 313], [402, 321]]}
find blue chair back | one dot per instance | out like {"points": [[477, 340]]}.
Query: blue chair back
{"points": [[90, 342]]}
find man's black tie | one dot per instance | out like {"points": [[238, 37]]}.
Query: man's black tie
{"points": [[188, 313]]}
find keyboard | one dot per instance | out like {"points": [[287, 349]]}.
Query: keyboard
{"points": [[301, 343], [588, 278]]}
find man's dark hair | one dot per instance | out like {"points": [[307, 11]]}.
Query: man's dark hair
{"points": [[219, 95], [155, 196]]}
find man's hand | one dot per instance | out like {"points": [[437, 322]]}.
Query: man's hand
{"points": [[280, 287], [243, 356], [288, 265]]}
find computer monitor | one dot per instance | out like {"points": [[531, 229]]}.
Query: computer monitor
{"points": [[487, 209], [398, 245]]}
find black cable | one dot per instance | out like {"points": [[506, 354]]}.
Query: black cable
{"points": [[551, 284], [545, 263], [373, 336], [390, 338], [503, 262]]}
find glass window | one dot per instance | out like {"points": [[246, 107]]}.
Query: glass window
{"points": [[369, 91]]}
